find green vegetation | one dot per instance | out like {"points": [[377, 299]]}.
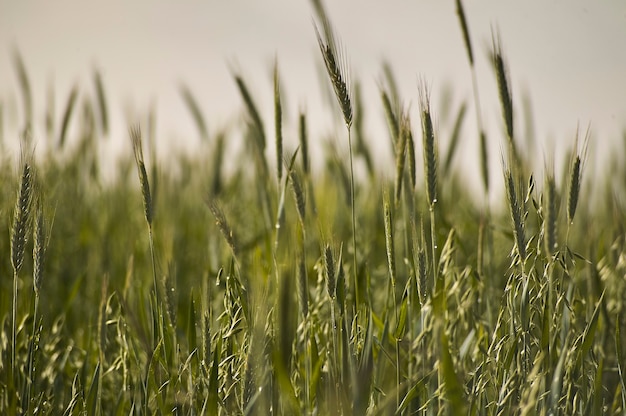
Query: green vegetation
{"points": [[182, 289]]}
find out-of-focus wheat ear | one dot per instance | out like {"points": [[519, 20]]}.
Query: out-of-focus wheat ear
{"points": [[516, 211], [550, 216], [303, 288], [135, 137], [24, 83], [1, 123], [39, 244], [298, 194], [480, 255], [484, 161], [50, 112], [575, 177], [410, 154], [304, 142], [389, 243], [67, 115], [465, 29], [391, 83], [422, 267], [102, 315], [405, 128], [392, 120], [218, 158], [337, 69], [278, 123], [102, 102], [329, 268], [194, 109], [454, 139], [252, 110], [574, 189], [224, 227], [430, 149], [361, 147], [169, 284], [504, 86], [22, 213]]}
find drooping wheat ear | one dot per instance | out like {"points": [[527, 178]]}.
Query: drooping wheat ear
{"points": [[21, 214], [389, 243], [550, 216], [135, 137], [504, 87], [329, 267], [303, 288], [575, 179], [298, 194], [405, 128], [278, 122], [222, 224], [39, 245], [337, 69], [430, 149], [517, 215]]}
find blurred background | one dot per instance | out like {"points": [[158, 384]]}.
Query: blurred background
{"points": [[566, 61]]}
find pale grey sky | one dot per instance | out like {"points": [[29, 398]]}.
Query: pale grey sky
{"points": [[569, 55]]}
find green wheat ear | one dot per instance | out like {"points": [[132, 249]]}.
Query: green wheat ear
{"points": [[517, 213], [504, 86], [576, 172], [22, 213], [135, 137], [337, 69], [430, 149]]}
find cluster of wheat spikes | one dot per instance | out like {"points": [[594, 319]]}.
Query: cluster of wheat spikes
{"points": [[283, 290]]}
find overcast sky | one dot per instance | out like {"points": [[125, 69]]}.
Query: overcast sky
{"points": [[568, 55]]}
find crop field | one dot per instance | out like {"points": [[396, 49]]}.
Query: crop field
{"points": [[250, 283]]}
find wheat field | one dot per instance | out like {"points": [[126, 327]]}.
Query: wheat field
{"points": [[235, 283]]}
